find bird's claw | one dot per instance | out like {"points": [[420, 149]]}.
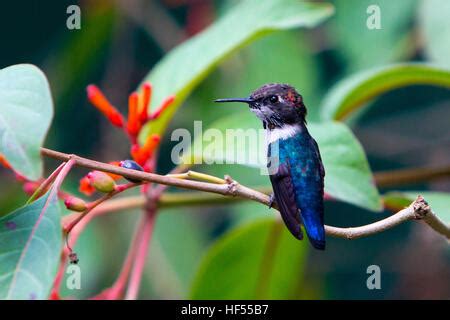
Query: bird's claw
{"points": [[271, 200]]}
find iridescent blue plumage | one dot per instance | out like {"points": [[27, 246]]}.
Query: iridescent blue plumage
{"points": [[300, 155]]}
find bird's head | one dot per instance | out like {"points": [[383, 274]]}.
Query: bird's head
{"points": [[275, 104]]}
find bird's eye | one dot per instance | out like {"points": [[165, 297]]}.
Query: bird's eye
{"points": [[273, 99]]}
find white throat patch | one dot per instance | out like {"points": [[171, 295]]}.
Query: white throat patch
{"points": [[285, 132]]}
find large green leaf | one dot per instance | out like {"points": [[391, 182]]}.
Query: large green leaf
{"points": [[184, 67], [354, 92], [290, 61], [435, 26], [26, 110], [174, 256], [348, 175], [30, 246], [260, 260], [439, 201], [362, 46]]}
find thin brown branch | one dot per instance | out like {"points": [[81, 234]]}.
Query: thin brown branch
{"points": [[408, 176], [419, 209], [224, 189]]}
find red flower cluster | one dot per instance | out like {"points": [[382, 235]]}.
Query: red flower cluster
{"points": [[138, 116], [138, 105]]}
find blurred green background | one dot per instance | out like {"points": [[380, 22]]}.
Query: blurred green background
{"points": [[120, 41]]}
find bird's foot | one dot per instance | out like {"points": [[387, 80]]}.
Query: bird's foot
{"points": [[272, 200]]}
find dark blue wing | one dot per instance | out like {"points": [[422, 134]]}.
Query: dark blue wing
{"points": [[284, 192]]}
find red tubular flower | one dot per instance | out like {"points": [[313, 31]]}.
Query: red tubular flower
{"points": [[142, 154], [149, 146], [112, 175], [134, 151], [134, 124], [145, 102], [85, 186], [164, 105], [98, 99], [151, 143], [4, 162], [20, 178], [54, 295]]}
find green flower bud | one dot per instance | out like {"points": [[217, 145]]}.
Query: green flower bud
{"points": [[101, 181], [75, 204]]}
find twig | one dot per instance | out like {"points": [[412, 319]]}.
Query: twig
{"points": [[198, 176], [407, 176], [232, 188], [417, 210], [349, 233], [229, 189]]}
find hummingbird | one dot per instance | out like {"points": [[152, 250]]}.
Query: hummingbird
{"points": [[295, 166]]}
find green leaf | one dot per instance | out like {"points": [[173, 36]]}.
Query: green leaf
{"points": [[362, 46], [26, 110], [290, 61], [30, 246], [348, 176], [439, 201], [188, 64], [435, 27], [260, 260], [174, 255], [356, 91]]}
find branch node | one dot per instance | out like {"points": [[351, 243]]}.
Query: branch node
{"points": [[350, 234], [232, 185], [421, 208]]}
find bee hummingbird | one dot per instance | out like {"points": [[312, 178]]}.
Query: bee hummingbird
{"points": [[297, 175]]}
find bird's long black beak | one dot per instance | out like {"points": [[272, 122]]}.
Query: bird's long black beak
{"points": [[245, 100]]}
